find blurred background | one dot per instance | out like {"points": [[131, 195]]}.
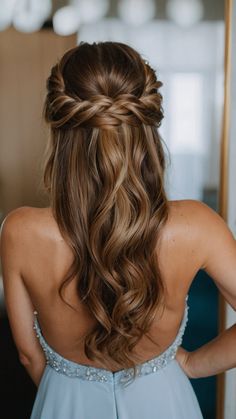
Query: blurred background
{"points": [[184, 41]]}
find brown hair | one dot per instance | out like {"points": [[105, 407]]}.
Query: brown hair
{"points": [[104, 174]]}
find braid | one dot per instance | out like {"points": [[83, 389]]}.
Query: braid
{"points": [[69, 111]]}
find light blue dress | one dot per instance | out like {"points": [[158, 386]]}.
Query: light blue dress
{"points": [[161, 390]]}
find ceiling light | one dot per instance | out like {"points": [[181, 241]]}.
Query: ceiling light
{"points": [[29, 15], [6, 15], [66, 20], [136, 12], [185, 12]]}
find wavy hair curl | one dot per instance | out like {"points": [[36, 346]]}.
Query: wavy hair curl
{"points": [[104, 174]]}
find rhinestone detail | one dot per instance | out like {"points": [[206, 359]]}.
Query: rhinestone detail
{"points": [[87, 372]]}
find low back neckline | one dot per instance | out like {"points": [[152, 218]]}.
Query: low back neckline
{"points": [[73, 369]]}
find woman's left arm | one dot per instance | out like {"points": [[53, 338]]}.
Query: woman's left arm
{"points": [[207, 360], [19, 307]]}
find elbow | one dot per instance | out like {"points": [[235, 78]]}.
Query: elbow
{"points": [[24, 359], [29, 360]]}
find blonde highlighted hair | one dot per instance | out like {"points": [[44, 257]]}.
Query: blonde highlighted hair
{"points": [[105, 177]]}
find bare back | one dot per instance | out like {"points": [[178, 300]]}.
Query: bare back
{"points": [[48, 257]]}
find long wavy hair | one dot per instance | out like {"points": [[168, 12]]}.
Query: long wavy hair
{"points": [[104, 174]]}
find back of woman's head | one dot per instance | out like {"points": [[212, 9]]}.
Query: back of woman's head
{"points": [[105, 177]]}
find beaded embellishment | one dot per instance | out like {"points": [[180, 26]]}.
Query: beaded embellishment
{"points": [[88, 372]]}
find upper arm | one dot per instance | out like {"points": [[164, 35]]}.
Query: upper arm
{"points": [[19, 307], [217, 247]]}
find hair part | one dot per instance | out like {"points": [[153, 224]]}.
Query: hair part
{"points": [[105, 177]]}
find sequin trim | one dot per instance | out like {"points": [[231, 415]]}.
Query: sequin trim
{"points": [[87, 372]]}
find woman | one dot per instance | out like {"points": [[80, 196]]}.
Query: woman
{"points": [[96, 284]]}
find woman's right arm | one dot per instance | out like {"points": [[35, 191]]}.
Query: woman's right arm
{"points": [[218, 255]]}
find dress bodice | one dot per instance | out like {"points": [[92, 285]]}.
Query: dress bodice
{"points": [[88, 372]]}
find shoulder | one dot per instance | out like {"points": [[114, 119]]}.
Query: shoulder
{"points": [[195, 212], [200, 227], [21, 222], [188, 205], [196, 217]]}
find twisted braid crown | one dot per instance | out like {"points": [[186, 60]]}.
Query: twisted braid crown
{"points": [[67, 110]]}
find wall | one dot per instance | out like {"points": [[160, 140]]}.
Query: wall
{"points": [[26, 60]]}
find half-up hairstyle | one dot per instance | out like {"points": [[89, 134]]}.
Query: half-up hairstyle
{"points": [[105, 177]]}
